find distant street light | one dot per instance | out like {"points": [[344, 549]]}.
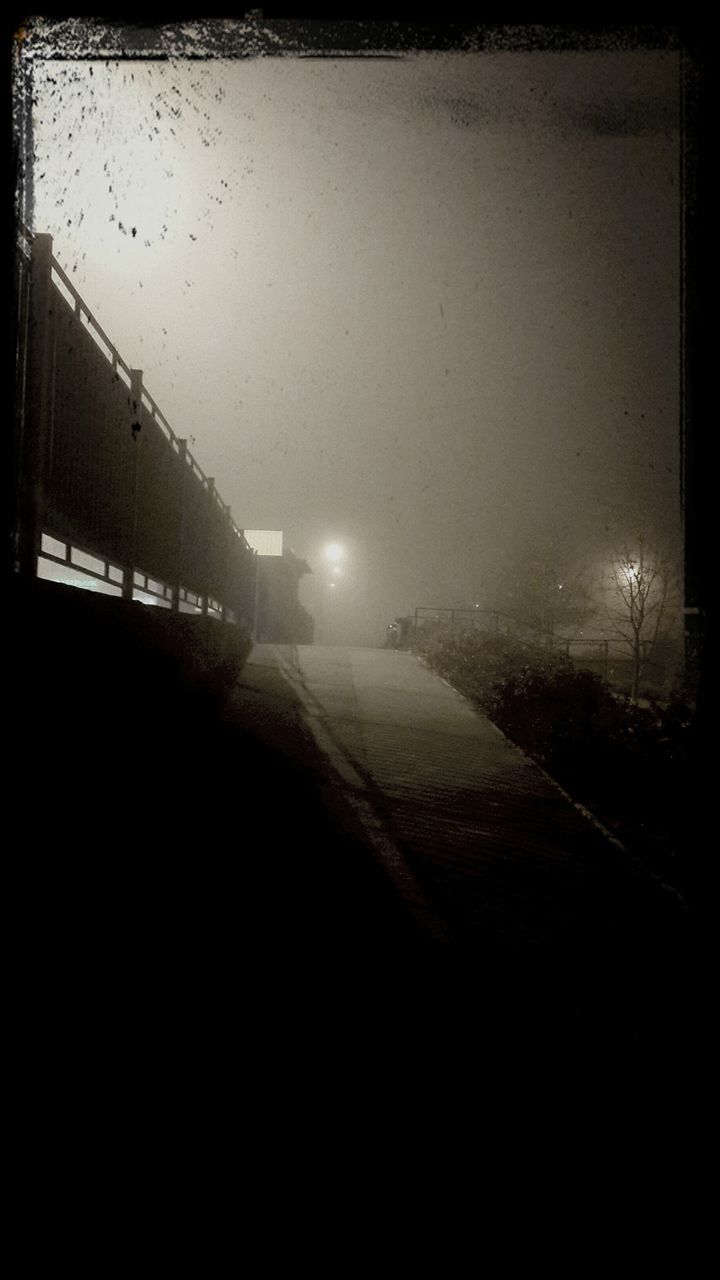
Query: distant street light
{"points": [[334, 552]]}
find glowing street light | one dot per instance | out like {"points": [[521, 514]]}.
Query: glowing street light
{"points": [[334, 552]]}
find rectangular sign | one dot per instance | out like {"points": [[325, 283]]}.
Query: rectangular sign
{"points": [[267, 542]]}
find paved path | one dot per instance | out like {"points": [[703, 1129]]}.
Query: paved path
{"points": [[486, 851], [500, 843]]}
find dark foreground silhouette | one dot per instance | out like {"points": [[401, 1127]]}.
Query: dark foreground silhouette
{"points": [[184, 856]]}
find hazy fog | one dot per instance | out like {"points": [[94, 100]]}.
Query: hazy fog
{"points": [[424, 308]]}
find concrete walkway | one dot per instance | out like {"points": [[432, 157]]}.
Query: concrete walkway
{"points": [[487, 853], [472, 828], [331, 842]]}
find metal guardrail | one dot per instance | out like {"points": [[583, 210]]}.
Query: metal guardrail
{"points": [[144, 503], [110, 351], [455, 615], [509, 624], [599, 651]]}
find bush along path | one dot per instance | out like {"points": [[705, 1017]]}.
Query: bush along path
{"points": [[633, 767]]}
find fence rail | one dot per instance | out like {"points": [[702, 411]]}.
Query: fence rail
{"points": [[596, 652], [609, 657]]}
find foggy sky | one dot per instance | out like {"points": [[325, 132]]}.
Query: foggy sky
{"points": [[427, 308]]}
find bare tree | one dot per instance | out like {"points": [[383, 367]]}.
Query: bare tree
{"points": [[639, 583], [543, 590]]}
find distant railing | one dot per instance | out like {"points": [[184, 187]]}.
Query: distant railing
{"points": [[596, 651], [466, 617], [607, 656]]}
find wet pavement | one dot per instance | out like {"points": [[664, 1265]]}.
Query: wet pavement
{"points": [[492, 862], [477, 838]]}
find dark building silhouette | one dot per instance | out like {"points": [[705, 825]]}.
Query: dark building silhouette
{"points": [[279, 616]]}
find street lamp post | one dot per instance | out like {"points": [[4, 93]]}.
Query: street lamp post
{"points": [[334, 555]]}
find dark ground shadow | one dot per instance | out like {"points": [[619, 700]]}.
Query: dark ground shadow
{"points": [[184, 861]]}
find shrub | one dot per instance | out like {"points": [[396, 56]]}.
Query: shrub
{"points": [[476, 663], [627, 763]]}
